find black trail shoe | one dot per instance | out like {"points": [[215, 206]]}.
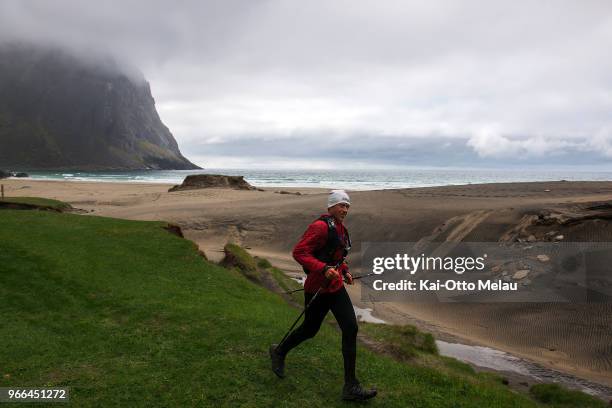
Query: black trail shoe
{"points": [[355, 392], [278, 362]]}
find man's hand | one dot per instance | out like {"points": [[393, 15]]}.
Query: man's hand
{"points": [[348, 278], [331, 274]]}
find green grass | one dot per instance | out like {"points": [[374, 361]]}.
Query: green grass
{"points": [[38, 202], [403, 341], [263, 263], [288, 285], [127, 314], [561, 397]]}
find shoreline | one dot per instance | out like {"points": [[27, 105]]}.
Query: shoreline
{"points": [[351, 179], [268, 224], [302, 190]]}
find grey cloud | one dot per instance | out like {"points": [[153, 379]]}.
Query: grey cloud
{"points": [[505, 81], [141, 32], [378, 151]]}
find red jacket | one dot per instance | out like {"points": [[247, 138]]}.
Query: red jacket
{"points": [[315, 239]]}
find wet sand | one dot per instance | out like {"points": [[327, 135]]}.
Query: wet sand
{"points": [[571, 338]]}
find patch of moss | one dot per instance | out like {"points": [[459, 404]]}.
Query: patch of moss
{"points": [[403, 341], [237, 257], [263, 263], [558, 396], [458, 366]]}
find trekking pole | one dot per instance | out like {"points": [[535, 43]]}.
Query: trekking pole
{"points": [[308, 305], [294, 290], [363, 276], [299, 317], [354, 278]]}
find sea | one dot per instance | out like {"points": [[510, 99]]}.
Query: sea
{"points": [[349, 179]]}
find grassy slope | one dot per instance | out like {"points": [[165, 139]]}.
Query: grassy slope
{"points": [[127, 314]]}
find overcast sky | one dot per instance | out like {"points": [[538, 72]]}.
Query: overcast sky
{"points": [[348, 83]]}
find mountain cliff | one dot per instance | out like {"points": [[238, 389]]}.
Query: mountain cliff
{"points": [[58, 111]]}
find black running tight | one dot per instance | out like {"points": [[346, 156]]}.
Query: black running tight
{"points": [[341, 306]]}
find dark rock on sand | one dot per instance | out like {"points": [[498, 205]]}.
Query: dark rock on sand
{"points": [[198, 181], [288, 192], [6, 174]]}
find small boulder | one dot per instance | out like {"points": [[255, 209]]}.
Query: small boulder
{"points": [[198, 181], [531, 238], [543, 258], [522, 274], [559, 238]]}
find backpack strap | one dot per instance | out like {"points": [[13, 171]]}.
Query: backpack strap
{"points": [[332, 243], [333, 240]]}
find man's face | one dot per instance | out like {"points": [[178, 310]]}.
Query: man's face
{"points": [[339, 211]]}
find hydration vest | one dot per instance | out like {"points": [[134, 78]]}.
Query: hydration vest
{"points": [[326, 254]]}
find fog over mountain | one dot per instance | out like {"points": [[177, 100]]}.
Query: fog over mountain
{"points": [[60, 111], [274, 83]]}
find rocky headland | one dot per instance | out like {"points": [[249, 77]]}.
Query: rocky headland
{"points": [[62, 111]]}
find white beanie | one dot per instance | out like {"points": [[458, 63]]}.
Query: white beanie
{"points": [[337, 197]]}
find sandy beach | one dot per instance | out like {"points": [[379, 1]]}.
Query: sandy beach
{"points": [[572, 338]]}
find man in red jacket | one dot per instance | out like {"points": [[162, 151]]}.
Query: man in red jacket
{"points": [[321, 252]]}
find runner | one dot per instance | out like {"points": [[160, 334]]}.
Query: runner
{"points": [[321, 252]]}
